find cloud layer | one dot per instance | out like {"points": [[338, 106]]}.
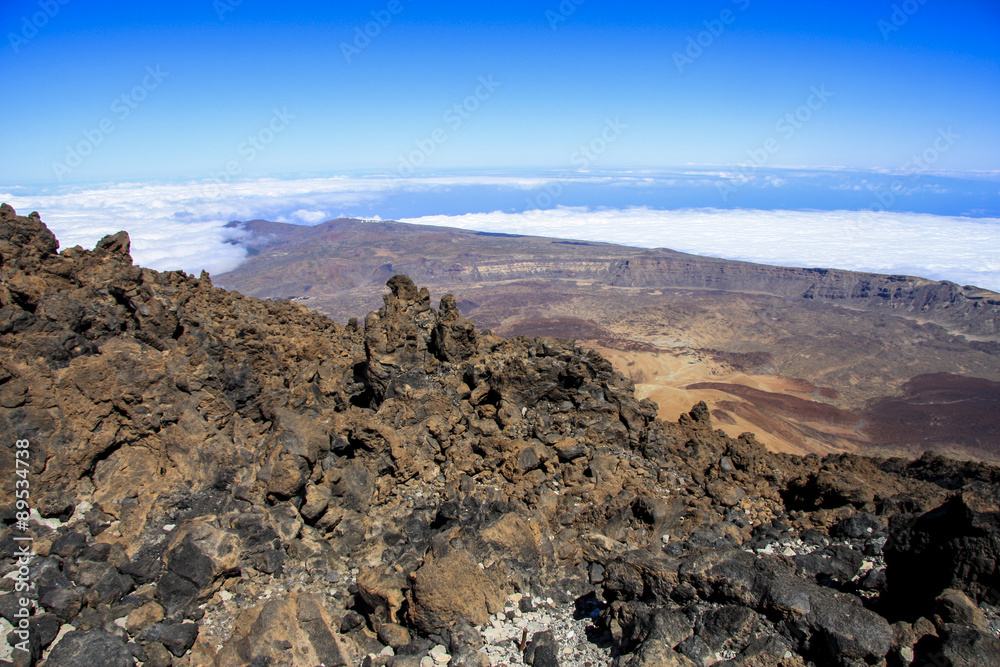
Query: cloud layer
{"points": [[182, 226], [962, 250]]}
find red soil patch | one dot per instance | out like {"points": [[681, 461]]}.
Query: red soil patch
{"points": [[796, 408], [555, 327], [939, 409]]}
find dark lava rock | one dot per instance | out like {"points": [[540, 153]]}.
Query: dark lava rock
{"points": [[952, 546], [178, 638], [64, 603], [351, 620], [959, 646], [834, 564], [46, 627], [156, 655], [69, 544], [542, 651], [87, 649], [728, 628], [859, 526]]}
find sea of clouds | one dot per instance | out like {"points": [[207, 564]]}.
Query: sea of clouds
{"points": [[183, 225], [962, 250]]}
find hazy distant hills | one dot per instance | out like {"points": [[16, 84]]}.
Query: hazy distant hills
{"points": [[810, 359]]}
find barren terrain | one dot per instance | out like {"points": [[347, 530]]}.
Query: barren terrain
{"points": [[810, 360]]}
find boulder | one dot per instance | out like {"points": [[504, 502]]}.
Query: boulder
{"points": [[198, 555], [87, 649], [451, 588], [952, 546], [296, 630]]}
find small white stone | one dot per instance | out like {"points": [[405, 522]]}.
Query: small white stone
{"points": [[168, 527], [440, 655], [387, 651], [426, 661]]}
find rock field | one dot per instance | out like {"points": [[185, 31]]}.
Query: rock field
{"points": [[222, 481]]}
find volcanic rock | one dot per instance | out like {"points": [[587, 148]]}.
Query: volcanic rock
{"points": [[86, 649], [212, 470], [950, 547], [294, 631]]}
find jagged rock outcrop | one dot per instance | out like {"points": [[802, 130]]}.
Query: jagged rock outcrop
{"points": [[225, 481]]}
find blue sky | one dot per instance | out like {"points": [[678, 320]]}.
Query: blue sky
{"points": [[847, 134], [202, 79]]}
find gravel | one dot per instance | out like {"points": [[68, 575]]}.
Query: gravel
{"points": [[581, 644]]}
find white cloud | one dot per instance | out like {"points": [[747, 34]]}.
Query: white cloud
{"points": [[182, 226], [963, 250], [310, 217]]}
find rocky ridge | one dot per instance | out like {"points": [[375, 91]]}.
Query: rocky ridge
{"points": [[218, 480]]}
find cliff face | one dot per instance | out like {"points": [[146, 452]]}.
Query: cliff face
{"points": [[220, 480], [967, 309], [342, 255]]}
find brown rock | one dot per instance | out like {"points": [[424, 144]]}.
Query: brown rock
{"points": [[393, 635], [451, 588], [144, 616], [382, 588], [725, 493], [293, 631], [954, 606]]}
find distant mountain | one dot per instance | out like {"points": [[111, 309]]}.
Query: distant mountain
{"points": [[810, 359], [332, 258]]}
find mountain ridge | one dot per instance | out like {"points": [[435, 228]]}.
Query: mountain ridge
{"points": [[968, 309]]}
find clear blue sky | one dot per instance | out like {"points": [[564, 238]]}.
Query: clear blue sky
{"points": [[225, 75]]}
